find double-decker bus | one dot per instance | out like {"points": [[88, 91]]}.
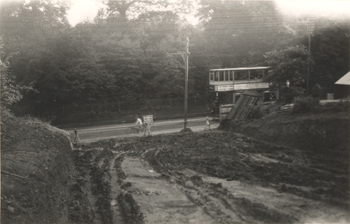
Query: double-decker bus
{"points": [[227, 84]]}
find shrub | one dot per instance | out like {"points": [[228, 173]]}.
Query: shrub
{"points": [[289, 93], [10, 93], [343, 104], [317, 91], [304, 104]]}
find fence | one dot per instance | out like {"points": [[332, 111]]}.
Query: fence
{"points": [[131, 105]]}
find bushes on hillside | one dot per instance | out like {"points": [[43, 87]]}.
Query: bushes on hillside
{"points": [[317, 91], [345, 103], [342, 105], [257, 112], [304, 104], [289, 93]]}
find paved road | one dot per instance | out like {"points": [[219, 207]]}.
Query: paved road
{"points": [[95, 133]]}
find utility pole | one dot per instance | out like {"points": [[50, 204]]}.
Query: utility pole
{"points": [[185, 56], [186, 83], [310, 29]]}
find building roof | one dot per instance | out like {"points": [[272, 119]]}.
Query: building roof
{"points": [[345, 80], [245, 68]]}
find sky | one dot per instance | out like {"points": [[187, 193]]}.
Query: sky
{"points": [[87, 9], [82, 10], [316, 8]]}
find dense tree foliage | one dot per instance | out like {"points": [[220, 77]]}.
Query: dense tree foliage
{"points": [[330, 50], [291, 66], [296, 57], [134, 49], [239, 33], [9, 92]]}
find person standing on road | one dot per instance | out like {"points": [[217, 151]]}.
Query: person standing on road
{"points": [[76, 137], [147, 123], [138, 124], [207, 125]]}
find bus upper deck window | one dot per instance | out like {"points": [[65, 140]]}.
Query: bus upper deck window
{"points": [[231, 75], [241, 75], [267, 72], [256, 74], [261, 73], [221, 75], [216, 76]]}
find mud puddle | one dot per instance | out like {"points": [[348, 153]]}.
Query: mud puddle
{"points": [[160, 201]]}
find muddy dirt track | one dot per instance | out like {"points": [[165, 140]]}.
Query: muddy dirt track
{"points": [[208, 177]]}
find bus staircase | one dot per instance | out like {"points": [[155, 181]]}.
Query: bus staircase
{"points": [[225, 103], [240, 111], [228, 98]]}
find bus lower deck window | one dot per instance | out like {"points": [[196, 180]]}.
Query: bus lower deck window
{"points": [[226, 75], [211, 76], [216, 76]]}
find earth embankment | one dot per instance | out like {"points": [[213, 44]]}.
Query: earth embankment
{"points": [[36, 172]]}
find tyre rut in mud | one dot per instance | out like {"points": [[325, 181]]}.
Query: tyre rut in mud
{"points": [[222, 206], [96, 199], [227, 162]]}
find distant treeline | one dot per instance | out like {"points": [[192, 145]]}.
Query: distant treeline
{"points": [[134, 51]]}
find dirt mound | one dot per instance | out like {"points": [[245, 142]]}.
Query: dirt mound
{"points": [[322, 132], [36, 172]]}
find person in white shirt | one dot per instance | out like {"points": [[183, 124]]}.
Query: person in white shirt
{"points": [[138, 124], [207, 125]]}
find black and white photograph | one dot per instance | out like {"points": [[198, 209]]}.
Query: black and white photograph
{"points": [[175, 111]]}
